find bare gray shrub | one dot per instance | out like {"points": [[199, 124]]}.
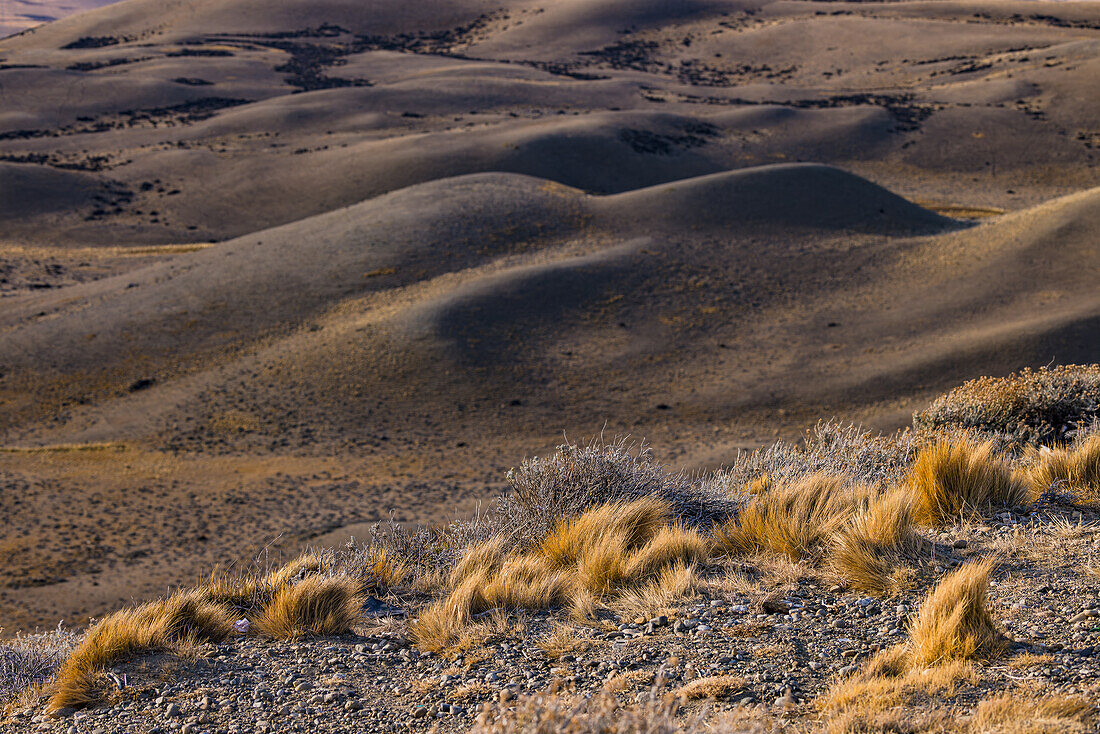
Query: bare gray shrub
{"points": [[425, 549], [545, 491], [27, 660], [831, 448], [575, 477]]}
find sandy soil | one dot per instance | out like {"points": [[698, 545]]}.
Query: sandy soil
{"points": [[271, 269]]}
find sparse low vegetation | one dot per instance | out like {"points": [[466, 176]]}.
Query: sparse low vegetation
{"points": [[315, 606], [609, 550], [599, 535]]}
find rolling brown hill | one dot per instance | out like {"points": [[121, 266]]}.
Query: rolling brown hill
{"points": [[271, 269]]}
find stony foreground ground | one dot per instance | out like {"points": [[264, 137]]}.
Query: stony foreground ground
{"points": [[787, 632]]}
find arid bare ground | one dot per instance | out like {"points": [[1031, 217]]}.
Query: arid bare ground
{"points": [[271, 269]]}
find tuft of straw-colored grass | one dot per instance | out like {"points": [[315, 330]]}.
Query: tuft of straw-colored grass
{"points": [[384, 571], [314, 606], [622, 549], [795, 519], [884, 684], [250, 591], [480, 560], [625, 524], [656, 596], [299, 568], [712, 687], [440, 626], [1077, 468], [958, 478], [163, 626], [954, 622], [951, 630], [526, 582], [1023, 714], [870, 552]]}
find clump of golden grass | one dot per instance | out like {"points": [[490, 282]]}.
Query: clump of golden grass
{"points": [[617, 549], [886, 681], [656, 596], [299, 568], [164, 626], [894, 721], [795, 519], [952, 628], [959, 477], [314, 606], [870, 552], [251, 591], [715, 686], [1076, 467], [623, 526], [954, 622], [1020, 714], [384, 571]]}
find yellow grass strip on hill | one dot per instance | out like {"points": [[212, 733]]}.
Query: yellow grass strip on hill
{"points": [[63, 448]]}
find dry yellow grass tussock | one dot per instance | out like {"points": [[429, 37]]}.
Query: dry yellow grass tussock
{"points": [[385, 571], [479, 559], [1076, 469], [958, 478], [954, 622], [1022, 714], [952, 628], [880, 687], [314, 606], [250, 591], [300, 567], [440, 626], [179, 620], [527, 582], [896, 721], [870, 552], [626, 525], [717, 687], [625, 551], [656, 596], [796, 519], [244, 592]]}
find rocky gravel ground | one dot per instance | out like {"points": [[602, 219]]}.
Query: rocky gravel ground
{"points": [[786, 631]]}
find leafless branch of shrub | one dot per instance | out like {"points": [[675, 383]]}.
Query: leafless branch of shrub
{"points": [[27, 661], [832, 448]]}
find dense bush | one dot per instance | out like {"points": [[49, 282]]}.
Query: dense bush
{"points": [[1031, 406]]}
